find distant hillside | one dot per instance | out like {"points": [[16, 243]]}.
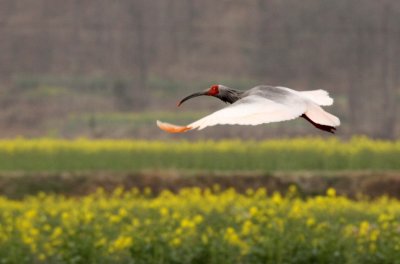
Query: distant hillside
{"points": [[77, 57]]}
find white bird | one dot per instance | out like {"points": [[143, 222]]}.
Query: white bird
{"points": [[262, 104]]}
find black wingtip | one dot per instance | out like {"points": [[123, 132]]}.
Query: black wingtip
{"points": [[329, 129]]}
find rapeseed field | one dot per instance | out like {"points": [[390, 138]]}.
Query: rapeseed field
{"points": [[199, 226], [359, 153]]}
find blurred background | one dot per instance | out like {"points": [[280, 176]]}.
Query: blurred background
{"points": [[109, 69], [86, 176]]}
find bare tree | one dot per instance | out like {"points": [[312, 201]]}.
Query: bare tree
{"points": [[389, 59]]}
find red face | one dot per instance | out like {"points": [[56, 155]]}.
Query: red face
{"points": [[213, 90]]}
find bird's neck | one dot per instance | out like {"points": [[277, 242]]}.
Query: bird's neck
{"points": [[230, 96]]}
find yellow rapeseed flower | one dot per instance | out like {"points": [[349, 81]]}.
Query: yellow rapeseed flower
{"points": [[121, 243], [198, 219], [331, 192], [232, 238], [204, 239], [101, 242], [54, 225], [310, 221], [247, 228], [57, 232], [164, 211], [122, 212], [114, 218], [253, 211], [175, 242], [42, 257], [364, 228], [374, 235], [88, 217], [277, 198], [31, 214], [186, 223]]}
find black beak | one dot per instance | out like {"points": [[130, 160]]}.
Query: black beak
{"points": [[191, 96]]}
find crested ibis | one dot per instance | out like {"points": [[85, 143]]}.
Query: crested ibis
{"points": [[262, 104]]}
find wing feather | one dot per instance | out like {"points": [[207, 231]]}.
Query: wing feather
{"points": [[254, 110], [319, 97]]}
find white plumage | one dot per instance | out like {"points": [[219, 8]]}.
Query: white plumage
{"points": [[252, 110], [263, 104]]}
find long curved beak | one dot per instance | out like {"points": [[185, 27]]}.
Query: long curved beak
{"points": [[191, 96]]}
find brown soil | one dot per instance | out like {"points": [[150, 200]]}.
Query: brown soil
{"points": [[352, 184]]}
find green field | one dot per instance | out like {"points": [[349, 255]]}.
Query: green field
{"points": [[359, 153]]}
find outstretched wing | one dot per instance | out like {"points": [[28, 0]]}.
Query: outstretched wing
{"points": [[251, 110]]}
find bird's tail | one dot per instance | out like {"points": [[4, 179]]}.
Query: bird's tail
{"points": [[320, 118], [320, 97]]}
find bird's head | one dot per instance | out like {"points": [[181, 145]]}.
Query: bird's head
{"points": [[214, 90]]}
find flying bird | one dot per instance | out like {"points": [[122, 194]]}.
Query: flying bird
{"points": [[262, 104]]}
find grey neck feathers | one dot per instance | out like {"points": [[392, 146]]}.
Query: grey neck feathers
{"points": [[230, 96]]}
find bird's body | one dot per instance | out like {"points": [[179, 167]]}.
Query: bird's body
{"points": [[262, 104]]}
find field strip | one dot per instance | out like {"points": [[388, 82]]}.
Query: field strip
{"points": [[350, 183]]}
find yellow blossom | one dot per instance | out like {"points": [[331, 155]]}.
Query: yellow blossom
{"points": [[186, 223], [253, 211], [31, 214], [204, 239], [176, 242], [198, 219], [331, 192], [233, 239], [56, 232], [164, 212], [247, 227], [88, 217], [231, 236], [374, 235], [310, 221], [122, 212], [42, 257], [121, 243], [277, 198], [115, 218], [101, 242], [364, 228]]}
